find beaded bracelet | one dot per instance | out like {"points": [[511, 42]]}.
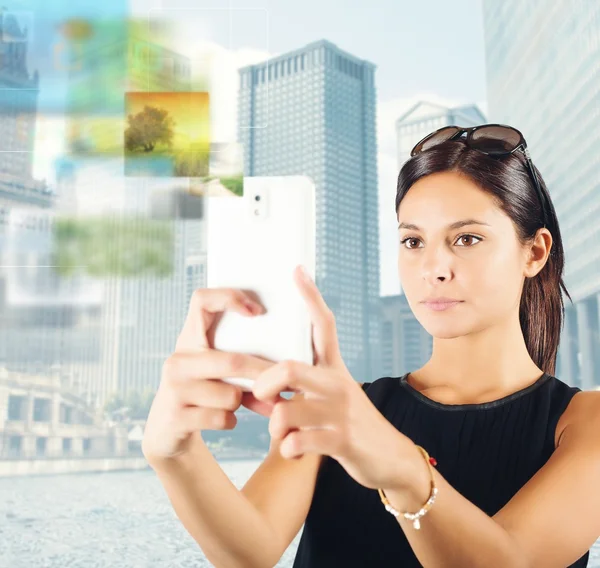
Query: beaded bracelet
{"points": [[415, 517]]}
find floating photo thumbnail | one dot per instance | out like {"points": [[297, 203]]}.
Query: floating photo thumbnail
{"points": [[226, 172], [167, 135]]}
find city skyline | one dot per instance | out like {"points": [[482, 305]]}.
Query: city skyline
{"points": [[394, 96]]}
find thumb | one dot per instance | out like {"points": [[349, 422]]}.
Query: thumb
{"points": [[259, 406]]}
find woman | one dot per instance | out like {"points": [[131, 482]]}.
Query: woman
{"points": [[479, 458]]}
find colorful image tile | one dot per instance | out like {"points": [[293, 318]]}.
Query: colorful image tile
{"points": [[34, 282], [226, 172], [95, 135], [38, 40], [111, 59], [113, 246], [167, 134], [176, 203], [119, 56]]}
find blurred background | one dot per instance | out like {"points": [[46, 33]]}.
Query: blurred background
{"points": [[118, 119]]}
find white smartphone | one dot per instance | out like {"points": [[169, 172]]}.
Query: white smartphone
{"points": [[254, 243]]}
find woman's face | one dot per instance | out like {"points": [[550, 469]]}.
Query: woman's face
{"points": [[482, 265]]}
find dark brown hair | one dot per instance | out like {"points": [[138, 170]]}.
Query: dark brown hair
{"points": [[541, 312]]}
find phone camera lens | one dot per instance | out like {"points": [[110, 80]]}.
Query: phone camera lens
{"points": [[257, 197]]}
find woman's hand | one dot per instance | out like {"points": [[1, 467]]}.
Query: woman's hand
{"points": [[189, 399], [334, 417]]}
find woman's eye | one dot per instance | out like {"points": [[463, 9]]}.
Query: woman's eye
{"points": [[408, 239], [468, 237], [459, 240]]}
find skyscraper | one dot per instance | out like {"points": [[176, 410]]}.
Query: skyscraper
{"points": [[543, 77], [19, 90], [425, 117], [18, 99], [312, 112]]}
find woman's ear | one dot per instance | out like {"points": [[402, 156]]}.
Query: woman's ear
{"points": [[538, 252]]}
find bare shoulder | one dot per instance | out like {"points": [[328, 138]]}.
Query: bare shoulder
{"points": [[583, 409]]}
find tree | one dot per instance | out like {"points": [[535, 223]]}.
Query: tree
{"points": [[114, 403], [148, 128], [137, 403]]}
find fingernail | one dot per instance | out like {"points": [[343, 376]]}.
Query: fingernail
{"points": [[254, 308], [305, 273]]}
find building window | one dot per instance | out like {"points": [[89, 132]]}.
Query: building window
{"points": [[41, 410], [15, 444], [40, 446], [16, 407]]}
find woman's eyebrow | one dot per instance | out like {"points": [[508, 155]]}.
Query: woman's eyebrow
{"points": [[455, 225]]}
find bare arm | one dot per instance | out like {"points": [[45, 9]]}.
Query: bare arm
{"points": [[455, 532], [282, 490], [253, 527], [233, 528], [551, 521], [229, 529]]}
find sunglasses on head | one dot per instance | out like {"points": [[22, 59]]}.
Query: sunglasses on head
{"points": [[495, 140]]}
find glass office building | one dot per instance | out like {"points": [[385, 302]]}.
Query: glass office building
{"points": [[312, 112], [543, 77], [425, 117]]}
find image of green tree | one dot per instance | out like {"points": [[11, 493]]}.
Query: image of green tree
{"points": [[148, 128]]}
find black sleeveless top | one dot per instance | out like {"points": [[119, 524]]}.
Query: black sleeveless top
{"points": [[486, 451]]}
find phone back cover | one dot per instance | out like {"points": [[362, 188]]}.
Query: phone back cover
{"points": [[261, 255]]}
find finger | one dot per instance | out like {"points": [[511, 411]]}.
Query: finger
{"points": [[205, 303], [295, 376], [300, 442], [260, 407], [264, 407], [325, 339], [210, 393], [213, 364], [193, 419], [293, 414]]}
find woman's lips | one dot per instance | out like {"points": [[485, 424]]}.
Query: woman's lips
{"points": [[441, 306]]}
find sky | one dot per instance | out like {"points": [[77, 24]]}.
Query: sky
{"points": [[429, 50]]}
